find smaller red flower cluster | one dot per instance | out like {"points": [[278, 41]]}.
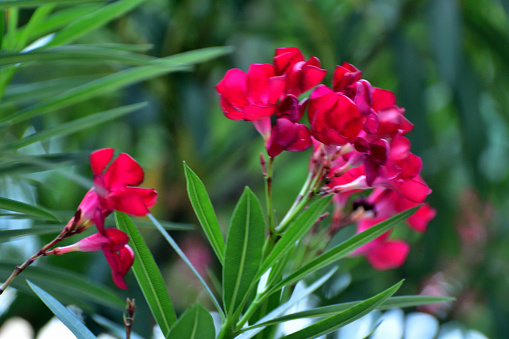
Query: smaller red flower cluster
{"points": [[113, 190], [357, 130], [273, 89]]}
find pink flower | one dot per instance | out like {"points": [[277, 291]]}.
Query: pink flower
{"points": [[250, 96], [300, 75], [113, 243], [388, 202], [286, 133], [334, 118], [113, 190], [382, 253], [345, 76]]}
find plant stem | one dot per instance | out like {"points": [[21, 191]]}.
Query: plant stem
{"points": [[249, 312], [187, 262], [226, 331], [129, 319], [268, 195], [64, 234]]}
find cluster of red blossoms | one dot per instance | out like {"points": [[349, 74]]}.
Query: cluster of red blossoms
{"points": [[113, 190], [357, 132]]}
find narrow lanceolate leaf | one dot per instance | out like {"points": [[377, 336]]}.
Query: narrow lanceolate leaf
{"points": [[325, 311], [243, 251], [116, 81], [62, 313], [36, 3], [148, 275], [295, 231], [76, 53], [251, 331], [21, 207], [75, 125], [204, 212], [7, 235], [343, 318], [195, 323], [93, 21], [344, 248], [65, 284], [61, 18]]}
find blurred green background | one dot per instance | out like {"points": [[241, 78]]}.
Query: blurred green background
{"points": [[446, 60]]}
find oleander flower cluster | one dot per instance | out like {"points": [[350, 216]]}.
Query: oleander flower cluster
{"points": [[361, 154]]}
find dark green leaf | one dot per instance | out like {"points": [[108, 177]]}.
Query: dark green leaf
{"points": [[400, 301], [66, 282], [343, 318], [36, 3], [93, 21], [295, 298], [62, 313], [18, 206], [295, 231], [148, 275], [204, 211], [344, 248], [76, 53], [195, 323], [7, 235], [243, 251], [116, 81], [75, 125]]}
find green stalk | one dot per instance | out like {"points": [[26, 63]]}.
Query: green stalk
{"points": [[187, 262], [268, 196]]}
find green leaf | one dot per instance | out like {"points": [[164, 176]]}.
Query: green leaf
{"points": [[62, 18], [18, 206], [295, 231], [76, 53], [75, 125], [294, 299], [2, 27], [344, 248], [343, 318], [319, 312], [195, 323], [62, 313], [116, 81], [243, 252], [7, 235], [38, 16], [37, 163], [65, 283], [36, 3], [205, 212], [148, 275], [93, 21]]}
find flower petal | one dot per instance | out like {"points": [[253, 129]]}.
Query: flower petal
{"points": [[389, 255], [133, 200], [100, 158], [124, 170]]}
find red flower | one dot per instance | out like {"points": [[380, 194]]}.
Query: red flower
{"points": [[250, 96], [334, 118], [345, 76], [382, 253], [388, 202], [113, 190], [300, 75], [286, 133], [113, 243]]}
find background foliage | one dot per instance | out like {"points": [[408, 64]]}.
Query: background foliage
{"points": [[446, 60]]}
